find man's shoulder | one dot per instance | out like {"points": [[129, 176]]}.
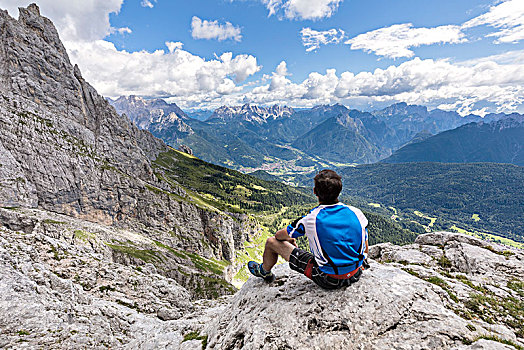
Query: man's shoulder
{"points": [[350, 210]]}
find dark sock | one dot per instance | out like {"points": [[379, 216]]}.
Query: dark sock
{"points": [[263, 271]]}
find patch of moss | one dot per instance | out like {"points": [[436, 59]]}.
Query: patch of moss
{"points": [[210, 287], [196, 336], [172, 250], [401, 262], [107, 288], [146, 255], [126, 304], [83, 235], [470, 284], [56, 255], [411, 272], [442, 284], [444, 262], [499, 340], [23, 332], [517, 286], [490, 308], [206, 265], [505, 253], [53, 222]]}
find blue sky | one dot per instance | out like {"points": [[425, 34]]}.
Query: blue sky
{"points": [[465, 55], [273, 39]]}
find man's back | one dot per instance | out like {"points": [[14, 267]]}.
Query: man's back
{"points": [[336, 235]]}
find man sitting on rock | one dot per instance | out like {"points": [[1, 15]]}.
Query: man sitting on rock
{"points": [[337, 238]]}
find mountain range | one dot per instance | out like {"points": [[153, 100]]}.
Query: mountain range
{"points": [[500, 141], [286, 141]]}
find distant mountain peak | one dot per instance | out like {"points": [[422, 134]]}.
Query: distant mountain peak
{"points": [[144, 112], [402, 108], [252, 113]]}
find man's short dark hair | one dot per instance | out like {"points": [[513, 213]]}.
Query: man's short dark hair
{"points": [[328, 185]]}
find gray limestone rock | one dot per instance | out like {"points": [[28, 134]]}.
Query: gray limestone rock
{"points": [[413, 300], [63, 148]]}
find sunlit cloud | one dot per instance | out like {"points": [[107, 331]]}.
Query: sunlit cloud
{"points": [[313, 39], [302, 9], [203, 29], [147, 3], [507, 17], [397, 40]]}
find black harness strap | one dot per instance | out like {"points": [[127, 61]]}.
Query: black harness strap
{"points": [[335, 269]]}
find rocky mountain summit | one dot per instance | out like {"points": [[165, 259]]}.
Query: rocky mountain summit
{"points": [[144, 112], [252, 113], [62, 287]]}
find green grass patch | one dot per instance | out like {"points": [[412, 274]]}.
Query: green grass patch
{"points": [[107, 288], [207, 265], [493, 309], [442, 284], [444, 262], [83, 235], [196, 336], [146, 255], [23, 332], [499, 340], [411, 272], [53, 222]]}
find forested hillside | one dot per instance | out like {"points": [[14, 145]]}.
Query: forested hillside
{"points": [[274, 203], [499, 142], [479, 196]]}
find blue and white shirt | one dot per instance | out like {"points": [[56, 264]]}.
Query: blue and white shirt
{"points": [[337, 236]]}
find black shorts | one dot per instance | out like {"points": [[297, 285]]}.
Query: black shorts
{"points": [[299, 261]]}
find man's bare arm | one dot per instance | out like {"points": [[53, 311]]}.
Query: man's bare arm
{"points": [[282, 235]]}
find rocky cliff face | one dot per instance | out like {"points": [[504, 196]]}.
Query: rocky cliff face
{"points": [[64, 149]]}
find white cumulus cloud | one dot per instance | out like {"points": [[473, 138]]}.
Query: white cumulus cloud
{"points": [[463, 86], [172, 46], [313, 39], [507, 17], [278, 79], [147, 3], [122, 31], [303, 9], [204, 29], [396, 41], [175, 73], [75, 20]]}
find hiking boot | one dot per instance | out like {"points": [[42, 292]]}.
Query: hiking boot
{"points": [[257, 270]]}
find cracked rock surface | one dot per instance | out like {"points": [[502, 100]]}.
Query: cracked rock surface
{"points": [[409, 301]]}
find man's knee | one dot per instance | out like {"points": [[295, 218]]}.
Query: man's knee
{"points": [[271, 242]]}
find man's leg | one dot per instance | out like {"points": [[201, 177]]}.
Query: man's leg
{"points": [[273, 249]]}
